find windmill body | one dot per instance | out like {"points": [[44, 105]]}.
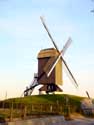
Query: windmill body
{"points": [[46, 59]]}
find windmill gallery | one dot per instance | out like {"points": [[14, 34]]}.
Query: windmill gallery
{"points": [[50, 64]]}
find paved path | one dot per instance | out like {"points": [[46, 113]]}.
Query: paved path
{"points": [[81, 121], [78, 121]]}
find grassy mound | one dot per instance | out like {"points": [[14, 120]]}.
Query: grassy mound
{"points": [[48, 99], [41, 105]]}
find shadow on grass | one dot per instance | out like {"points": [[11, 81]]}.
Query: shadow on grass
{"points": [[2, 120]]}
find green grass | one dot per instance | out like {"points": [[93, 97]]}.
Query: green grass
{"points": [[57, 99], [47, 99]]}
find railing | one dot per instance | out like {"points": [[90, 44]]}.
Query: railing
{"points": [[19, 110]]}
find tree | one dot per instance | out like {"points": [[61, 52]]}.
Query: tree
{"points": [[92, 9]]}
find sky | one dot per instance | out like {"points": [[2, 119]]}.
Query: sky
{"points": [[22, 36]]}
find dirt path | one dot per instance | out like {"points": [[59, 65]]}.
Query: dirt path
{"points": [[78, 119], [85, 121]]}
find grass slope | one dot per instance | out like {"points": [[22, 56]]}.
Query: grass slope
{"points": [[48, 99], [73, 101]]}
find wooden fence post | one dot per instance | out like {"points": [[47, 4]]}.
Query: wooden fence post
{"points": [[24, 111], [51, 108], [11, 111]]}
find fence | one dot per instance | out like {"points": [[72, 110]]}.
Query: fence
{"points": [[20, 110]]}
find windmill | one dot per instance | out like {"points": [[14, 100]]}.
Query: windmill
{"points": [[50, 67], [88, 95], [87, 105]]}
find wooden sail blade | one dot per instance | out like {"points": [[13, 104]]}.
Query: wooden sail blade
{"points": [[49, 65], [42, 20], [54, 63], [88, 94], [69, 73], [59, 56], [66, 45]]}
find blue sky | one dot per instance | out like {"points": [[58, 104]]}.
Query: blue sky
{"points": [[22, 36]]}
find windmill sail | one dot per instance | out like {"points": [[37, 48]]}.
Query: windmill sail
{"points": [[60, 55], [66, 45], [64, 63], [48, 33], [54, 64], [49, 65], [69, 73], [88, 94]]}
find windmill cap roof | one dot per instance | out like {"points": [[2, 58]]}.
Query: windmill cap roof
{"points": [[49, 52]]}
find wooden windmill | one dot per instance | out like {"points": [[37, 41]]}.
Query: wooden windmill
{"points": [[50, 67], [46, 59]]}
